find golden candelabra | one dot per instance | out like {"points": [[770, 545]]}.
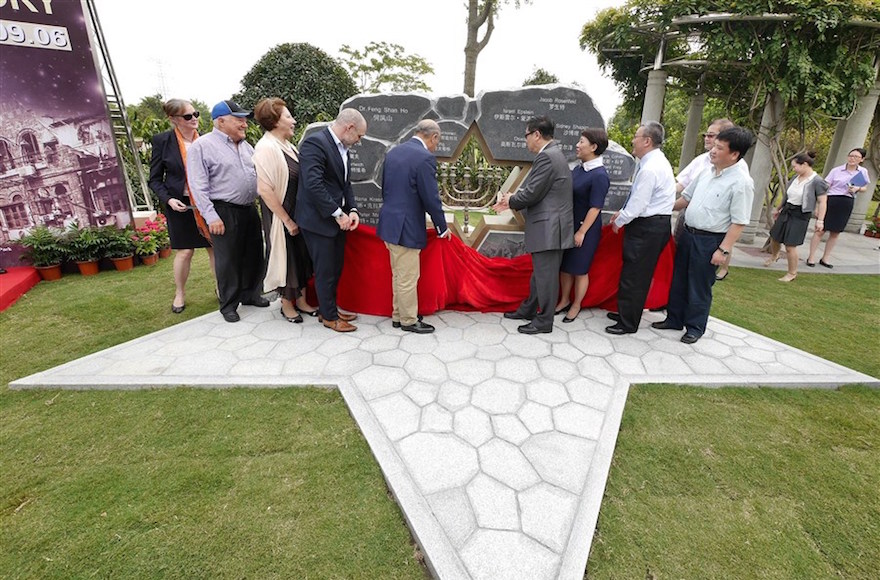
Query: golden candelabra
{"points": [[463, 188]]}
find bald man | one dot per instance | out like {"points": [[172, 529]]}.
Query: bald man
{"points": [[409, 190], [325, 208]]}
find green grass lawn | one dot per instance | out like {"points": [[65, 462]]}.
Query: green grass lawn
{"points": [[279, 483]]}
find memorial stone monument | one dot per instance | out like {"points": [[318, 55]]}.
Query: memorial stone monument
{"points": [[496, 119]]}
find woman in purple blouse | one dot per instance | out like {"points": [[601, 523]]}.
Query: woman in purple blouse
{"points": [[841, 196]]}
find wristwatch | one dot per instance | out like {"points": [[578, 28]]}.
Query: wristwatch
{"points": [[723, 251]]}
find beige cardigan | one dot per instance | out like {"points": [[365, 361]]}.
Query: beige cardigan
{"points": [[272, 171]]}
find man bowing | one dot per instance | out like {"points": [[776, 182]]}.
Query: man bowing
{"points": [[409, 190]]}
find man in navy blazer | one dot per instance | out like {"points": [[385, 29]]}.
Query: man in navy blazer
{"points": [[409, 190], [325, 208]]}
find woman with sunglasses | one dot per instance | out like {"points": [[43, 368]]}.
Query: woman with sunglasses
{"points": [[168, 181], [844, 182]]}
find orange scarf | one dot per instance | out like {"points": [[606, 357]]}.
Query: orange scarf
{"points": [[200, 221]]}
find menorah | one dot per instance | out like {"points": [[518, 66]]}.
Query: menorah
{"points": [[472, 189]]}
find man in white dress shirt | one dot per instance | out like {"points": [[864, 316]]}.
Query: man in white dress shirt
{"points": [[647, 216]]}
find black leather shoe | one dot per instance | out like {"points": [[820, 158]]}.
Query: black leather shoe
{"points": [[617, 329], [259, 302], [615, 316], [231, 316], [826, 264], [295, 319], [419, 328], [690, 338], [514, 315], [396, 323], [532, 329], [177, 309], [665, 325], [563, 309]]}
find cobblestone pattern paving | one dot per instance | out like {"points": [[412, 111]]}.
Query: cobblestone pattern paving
{"points": [[496, 445]]}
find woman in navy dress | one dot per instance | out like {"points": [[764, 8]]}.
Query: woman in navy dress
{"points": [[590, 185]]}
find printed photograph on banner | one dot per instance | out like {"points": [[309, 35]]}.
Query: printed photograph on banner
{"points": [[58, 161]]}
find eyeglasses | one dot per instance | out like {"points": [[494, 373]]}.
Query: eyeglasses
{"points": [[189, 116], [709, 135], [854, 156], [529, 133]]}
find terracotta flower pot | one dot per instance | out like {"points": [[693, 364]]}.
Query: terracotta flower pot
{"points": [[49, 273], [164, 253], [88, 268], [150, 260], [124, 263]]}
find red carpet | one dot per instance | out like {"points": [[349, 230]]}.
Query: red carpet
{"points": [[14, 283]]}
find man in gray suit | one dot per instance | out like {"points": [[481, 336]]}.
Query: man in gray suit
{"points": [[545, 199]]}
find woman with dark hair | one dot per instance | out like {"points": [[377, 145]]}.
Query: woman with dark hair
{"points": [[590, 186], [277, 163], [805, 193], [842, 190], [168, 181]]}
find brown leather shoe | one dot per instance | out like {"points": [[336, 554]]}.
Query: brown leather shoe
{"points": [[339, 325], [342, 316]]}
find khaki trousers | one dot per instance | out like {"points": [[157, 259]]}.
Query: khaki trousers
{"points": [[404, 283]]}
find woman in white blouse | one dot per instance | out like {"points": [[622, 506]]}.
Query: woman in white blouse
{"points": [[806, 193]]}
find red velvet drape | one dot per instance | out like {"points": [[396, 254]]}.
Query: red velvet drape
{"points": [[457, 277]]}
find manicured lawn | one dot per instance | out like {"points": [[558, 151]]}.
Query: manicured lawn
{"points": [[279, 483]]}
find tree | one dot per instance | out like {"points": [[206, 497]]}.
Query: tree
{"points": [[480, 13], [312, 83], [540, 77], [382, 66], [814, 56]]}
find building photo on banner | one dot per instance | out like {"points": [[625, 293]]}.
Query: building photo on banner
{"points": [[58, 160]]}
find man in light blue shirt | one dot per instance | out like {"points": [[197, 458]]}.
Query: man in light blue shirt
{"points": [[223, 183], [719, 203], [647, 216]]}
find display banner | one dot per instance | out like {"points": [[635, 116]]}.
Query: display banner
{"points": [[58, 159]]}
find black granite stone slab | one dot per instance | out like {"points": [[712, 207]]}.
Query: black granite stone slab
{"points": [[390, 116], [368, 197], [503, 116]]}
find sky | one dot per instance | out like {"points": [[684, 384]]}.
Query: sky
{"points": [[201, 49]]}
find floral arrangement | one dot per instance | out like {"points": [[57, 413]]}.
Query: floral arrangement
{"points": [[159, 230], [144, 240]]}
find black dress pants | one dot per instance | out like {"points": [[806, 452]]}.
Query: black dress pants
{"points": [[238, 255], [328, 256], [543, 289], [643, 242]]}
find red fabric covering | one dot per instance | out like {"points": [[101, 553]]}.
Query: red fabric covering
{"points": [[457, 277], [15, 282]]}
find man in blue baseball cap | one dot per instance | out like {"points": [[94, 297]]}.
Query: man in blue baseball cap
{"points": [[224, 108], [223, 183]]}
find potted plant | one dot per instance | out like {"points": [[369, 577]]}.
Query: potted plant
{"points": [[44, 250], [118, 247], [145, 245], [160, 231], [84, 246]]}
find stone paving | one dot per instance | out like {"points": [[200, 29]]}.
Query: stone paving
{"points": [[496, 445]]}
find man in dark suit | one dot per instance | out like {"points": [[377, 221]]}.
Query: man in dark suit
{"points": [[325, 208], [409, 189], [546, 201]]}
